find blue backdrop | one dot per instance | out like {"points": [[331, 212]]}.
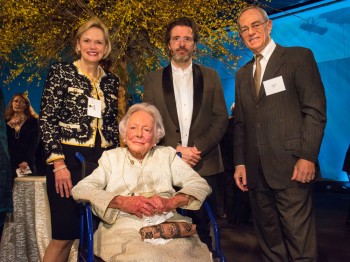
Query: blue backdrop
{"points": [[325, 30]]}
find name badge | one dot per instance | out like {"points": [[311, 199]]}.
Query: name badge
{"points": [[274, 85], [94, 107]]}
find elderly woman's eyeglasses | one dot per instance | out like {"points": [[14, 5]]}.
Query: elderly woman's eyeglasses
{"points": [[186, 39], [255, 27]]}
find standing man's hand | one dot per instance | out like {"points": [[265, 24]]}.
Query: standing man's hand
{"points": [[191, 155], [304, 171], [240, 177]]}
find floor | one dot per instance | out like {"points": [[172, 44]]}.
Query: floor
{"points": [[331, 201]]}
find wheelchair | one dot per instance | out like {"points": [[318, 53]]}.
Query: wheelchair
{"points": [[86, 239]]}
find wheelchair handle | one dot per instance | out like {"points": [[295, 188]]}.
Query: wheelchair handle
{"points": [[82, 162]]}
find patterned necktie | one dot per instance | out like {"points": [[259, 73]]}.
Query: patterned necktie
{"points": [[257, 73]]}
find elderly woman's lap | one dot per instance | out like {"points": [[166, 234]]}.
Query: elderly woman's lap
{"points": [[125, 244]]}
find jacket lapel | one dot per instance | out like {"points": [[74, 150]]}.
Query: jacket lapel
{"points": [[169, 96], [249, 80], [198, 86], [273, 65]]}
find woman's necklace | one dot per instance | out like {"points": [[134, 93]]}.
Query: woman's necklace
{"points": [[16, 123], [132, 162], [17, 133], [94, 77]]}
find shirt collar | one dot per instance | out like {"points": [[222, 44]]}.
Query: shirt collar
{"points": [[180, 70], [268, 50]]}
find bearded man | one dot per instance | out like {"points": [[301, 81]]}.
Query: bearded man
{"points": [[192, 104]]}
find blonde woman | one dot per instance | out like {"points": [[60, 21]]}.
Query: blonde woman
{"points": [[79, 109]]}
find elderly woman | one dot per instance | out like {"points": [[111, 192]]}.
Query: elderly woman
{"points": [[133, 187]]}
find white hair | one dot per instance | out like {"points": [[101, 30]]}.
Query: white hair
{"points": [[150, 109]]}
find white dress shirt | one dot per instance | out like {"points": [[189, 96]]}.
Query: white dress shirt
{"points": [[267, 52], [183, 90]]}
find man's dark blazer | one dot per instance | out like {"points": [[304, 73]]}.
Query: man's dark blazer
{"points": [[283, 127], [209, 118]]}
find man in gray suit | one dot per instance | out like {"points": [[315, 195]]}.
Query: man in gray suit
{"points": [[279, 127], [191, 102]]}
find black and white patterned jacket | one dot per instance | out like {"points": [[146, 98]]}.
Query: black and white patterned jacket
{"points": [[63, 114]]}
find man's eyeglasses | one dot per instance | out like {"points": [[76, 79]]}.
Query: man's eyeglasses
{"points": [[255, 27], [186, 40]]}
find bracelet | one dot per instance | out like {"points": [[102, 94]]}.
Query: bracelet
{"points": [[59, 168]]}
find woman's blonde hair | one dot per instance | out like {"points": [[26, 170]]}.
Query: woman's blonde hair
{"points": [[93, 22]]}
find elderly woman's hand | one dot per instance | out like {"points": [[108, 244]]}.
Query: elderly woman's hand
{"points": [[162, 204], [137, 205]]}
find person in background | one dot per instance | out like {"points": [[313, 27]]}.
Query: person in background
{"points": [[280, 116], [6, 204], [192, 104], [233, 203], [133, 187], [79, 111], [225, 179], [23, 134]]}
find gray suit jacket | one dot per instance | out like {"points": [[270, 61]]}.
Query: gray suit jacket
{"points": [[209, 118], [283, 127]]}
